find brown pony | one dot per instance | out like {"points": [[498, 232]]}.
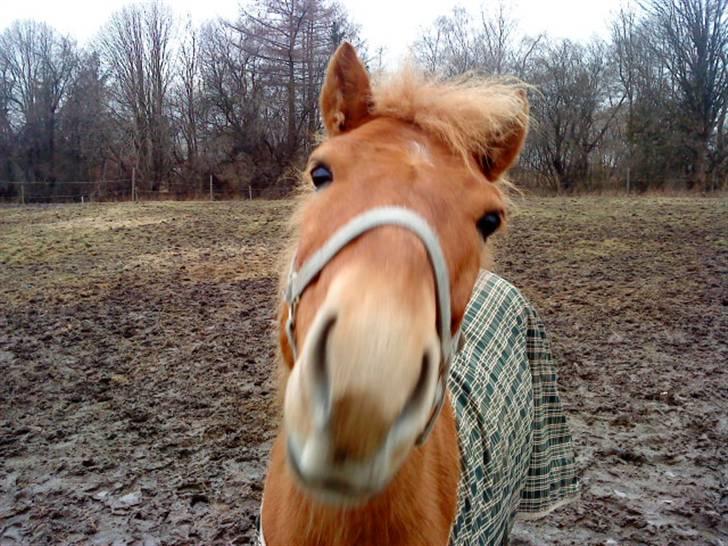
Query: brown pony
{"points": [[347, 467]]}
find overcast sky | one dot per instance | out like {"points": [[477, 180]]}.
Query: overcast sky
{"points": [[392, 24]]}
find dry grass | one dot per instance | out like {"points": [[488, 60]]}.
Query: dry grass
{"points": [[69, 249]]}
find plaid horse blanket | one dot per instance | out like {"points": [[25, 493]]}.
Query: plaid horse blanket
{"points": [[515, 445]]}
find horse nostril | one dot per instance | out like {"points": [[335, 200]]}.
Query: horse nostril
{"points": [[320, 374], [341, 455], [417, 397]]}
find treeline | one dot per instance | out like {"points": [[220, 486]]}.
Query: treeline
{"points": [[645, 109], [167, 103], [233, 104]]}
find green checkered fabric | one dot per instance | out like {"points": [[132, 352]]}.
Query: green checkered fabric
{"points": [[516, 451]]}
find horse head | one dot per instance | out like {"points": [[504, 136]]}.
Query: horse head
{"points": [[407, 186]]}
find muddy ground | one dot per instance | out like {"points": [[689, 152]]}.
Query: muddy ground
{"points": [[137, 401]]}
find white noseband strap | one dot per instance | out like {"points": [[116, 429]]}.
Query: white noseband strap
{"points": [[377, 217]]}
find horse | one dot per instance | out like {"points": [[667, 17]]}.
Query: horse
{"points": [[409, 186]]}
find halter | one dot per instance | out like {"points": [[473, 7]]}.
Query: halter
{"points": [[383, 216]]}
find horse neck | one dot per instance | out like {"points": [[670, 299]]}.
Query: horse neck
{"points": [[418, 508]]}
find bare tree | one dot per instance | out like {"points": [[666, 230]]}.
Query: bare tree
{"points": [[38, 66], [626, 43], [233, 103], [292, 41], [429, 49], [719, 155], [136, 48], [690, 37], [449, 47], [650, 129], [6, 129], [573, 109], [457, 43], [84, 123], [187, 103]]}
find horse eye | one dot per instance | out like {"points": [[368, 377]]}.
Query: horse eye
{"points": [[488, 224], [321, 176]]}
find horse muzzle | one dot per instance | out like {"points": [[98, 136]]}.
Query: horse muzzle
{"points": [[361, 391], [370, 379]]}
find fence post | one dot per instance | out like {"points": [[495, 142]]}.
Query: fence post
{"points": [[22, 193], [133, 183], [211, 188], [250, 192]]}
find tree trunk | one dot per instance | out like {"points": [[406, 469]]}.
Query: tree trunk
{"points": [[291, 137], [700, 167]]}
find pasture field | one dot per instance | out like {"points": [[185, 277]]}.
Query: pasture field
{"points": [[137, 393]]}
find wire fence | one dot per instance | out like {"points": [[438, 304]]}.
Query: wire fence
{"points": [[120, 189], [130, 189], [615, 182]]}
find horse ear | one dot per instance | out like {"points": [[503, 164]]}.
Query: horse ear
{"points": [[346, 94], [504, 149]]}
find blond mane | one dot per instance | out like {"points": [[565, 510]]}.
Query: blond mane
{"points": [[466, 113]]}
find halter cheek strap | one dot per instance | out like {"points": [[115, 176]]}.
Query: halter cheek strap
{"points": [[299, 279]]}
